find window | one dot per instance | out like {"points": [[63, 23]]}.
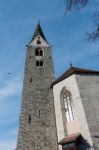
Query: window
{"points": [[30, 57], [38, 52], [30, 80], [38, 40], [29, 119], [67, 98], [41, 53], [39, 112], [39, 63], [69, 146]]}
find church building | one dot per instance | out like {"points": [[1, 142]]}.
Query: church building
{"points": [[57, 114]]}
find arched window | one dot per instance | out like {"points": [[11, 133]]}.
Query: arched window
{"points": [[38, 51], [39, 63], [67, 98], [41, 53], [38, 40]]}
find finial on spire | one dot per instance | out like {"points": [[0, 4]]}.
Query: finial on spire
{"points": [[38, 31], [38, 21], [70, 63]]}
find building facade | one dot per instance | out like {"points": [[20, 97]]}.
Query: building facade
{"points": [[57, 114]]}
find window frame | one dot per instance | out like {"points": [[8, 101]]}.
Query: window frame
{"points": [[39, 52], [38, 41], [68, 105], [39, 63]]}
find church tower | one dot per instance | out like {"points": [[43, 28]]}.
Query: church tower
{"points": [[37, 130]]}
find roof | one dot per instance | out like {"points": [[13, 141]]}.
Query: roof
{"points": [[38, 31], [73, 70], [70, 139]]}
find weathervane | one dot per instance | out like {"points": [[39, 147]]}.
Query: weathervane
{"points": [[70, 63]]}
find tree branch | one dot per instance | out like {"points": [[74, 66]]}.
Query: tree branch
{"points": [[71, 4]]}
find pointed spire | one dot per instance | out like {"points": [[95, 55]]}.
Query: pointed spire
{"points": [[38, 31]]}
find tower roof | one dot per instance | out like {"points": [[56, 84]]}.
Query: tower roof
{"points": [[38, 31], [74, 70]]}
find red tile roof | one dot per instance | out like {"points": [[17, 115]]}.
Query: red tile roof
{"points": [[73, 70], [70, 139]]}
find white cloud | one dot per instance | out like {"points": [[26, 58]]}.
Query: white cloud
{"points": [[5, 119], [8, 145], [8, 105], [12, 87]]}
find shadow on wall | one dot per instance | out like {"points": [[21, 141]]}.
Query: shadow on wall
{"points": [[83, 144]]}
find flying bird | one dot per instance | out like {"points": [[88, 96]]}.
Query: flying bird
{"points": [[9, 73]]}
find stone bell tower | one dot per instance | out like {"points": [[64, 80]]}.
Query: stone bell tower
{"points": [[37, 129]]}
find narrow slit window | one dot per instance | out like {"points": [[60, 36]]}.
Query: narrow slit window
{"points": [[29, 119], [39, 112], [30, 57], [30, 80]]}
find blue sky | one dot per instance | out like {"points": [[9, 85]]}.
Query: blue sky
{"points": [[65, 32]]}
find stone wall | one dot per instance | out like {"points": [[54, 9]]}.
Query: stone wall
{"points": [[89, 91], [38, 103]]}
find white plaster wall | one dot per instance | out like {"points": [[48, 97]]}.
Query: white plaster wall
{"points": [[73, 127], [58, 113], [71, 85], [43, 42]]}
